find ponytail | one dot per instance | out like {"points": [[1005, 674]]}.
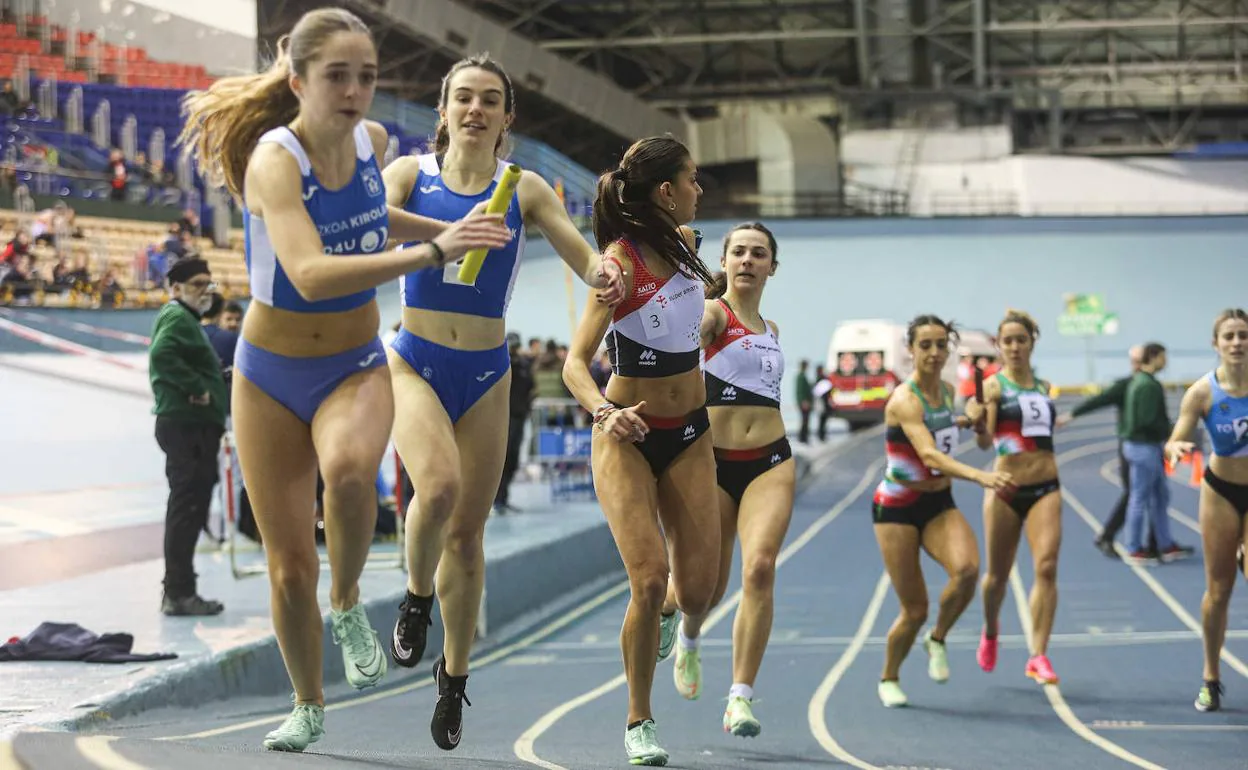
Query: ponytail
{"points": [[623, 208], [224, 124], [718, 285]]}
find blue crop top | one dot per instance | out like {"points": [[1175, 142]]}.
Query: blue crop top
{"points": [[441, 289], [350, 220], [1227, 421]]}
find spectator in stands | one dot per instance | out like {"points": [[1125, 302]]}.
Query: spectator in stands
{"points": [[189, 223], [231, 317], [10, 102], [190, 412], [20, 245], [20, 280], [518, 414], [805, 400], [109, 289], [600, 370], [548, 383], [157, 260], [118, 175], [63, 276]]}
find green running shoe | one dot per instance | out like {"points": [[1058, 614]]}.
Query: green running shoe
{"points": [[304, 726], [739, 718], [687, 673], [362, 657], [643, 746], [668, 626]]}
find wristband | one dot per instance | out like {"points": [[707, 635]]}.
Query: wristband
{"points": [[602, 413], [439, 254]]}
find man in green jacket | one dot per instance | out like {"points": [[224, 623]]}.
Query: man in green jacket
{"points": [[1145, 428], [1115, 395], [190, 411], [805, 399]]}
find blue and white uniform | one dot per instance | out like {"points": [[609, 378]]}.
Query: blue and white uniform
{"points": [[350, 220], [459, 377], [1227, 426]]}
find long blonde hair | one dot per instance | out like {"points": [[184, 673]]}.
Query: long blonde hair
{"points": [[224, 123]]}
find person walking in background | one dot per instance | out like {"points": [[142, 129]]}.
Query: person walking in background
{"points": [[518, 415], [805, 399], [821, 389], [1115, 396], [1146, 428], [190, 410]]}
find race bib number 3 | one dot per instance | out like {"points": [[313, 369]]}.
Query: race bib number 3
{"points": [[1037, 415], [654, 318], [770, 366]]}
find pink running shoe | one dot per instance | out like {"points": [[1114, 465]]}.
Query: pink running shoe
{"points": [[987, 653], [1041, 670]]}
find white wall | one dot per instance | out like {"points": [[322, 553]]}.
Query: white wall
{"points": [[1031, 185], [885, 147]]}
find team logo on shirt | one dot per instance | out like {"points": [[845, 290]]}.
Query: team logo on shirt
{"points": [[372, 181], [373, 240]]}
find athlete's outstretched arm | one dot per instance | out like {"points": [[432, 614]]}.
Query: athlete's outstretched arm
{"points": [[398, 176], [275, 193], [714, 319], [907, 412], [1193, 407], [544, 209]]}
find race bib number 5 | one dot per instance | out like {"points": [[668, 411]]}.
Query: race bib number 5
{"points": [[945, 439], [1037, 415]]}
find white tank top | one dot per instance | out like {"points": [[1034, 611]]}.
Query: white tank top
{"points": [[655, 332], [743, 368]]}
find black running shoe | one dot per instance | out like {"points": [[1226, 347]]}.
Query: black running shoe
{"points": [[407, 643], [1210, 696], [448, 716]]}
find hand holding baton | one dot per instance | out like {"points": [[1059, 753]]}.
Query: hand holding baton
{"points": [[499, 202]]}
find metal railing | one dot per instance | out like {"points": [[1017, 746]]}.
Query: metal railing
{"points": [[102, 126]]}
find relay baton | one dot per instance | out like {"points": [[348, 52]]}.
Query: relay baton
{"points": [[499, 201], [979, 385]]}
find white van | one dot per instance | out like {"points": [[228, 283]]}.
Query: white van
{"points": [[867, 358]]}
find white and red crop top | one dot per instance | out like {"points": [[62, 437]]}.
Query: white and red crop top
{"points": [[743, 368], [655, 332]]}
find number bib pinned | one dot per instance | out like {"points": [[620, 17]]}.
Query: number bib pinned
{"points": [[654, 317], [946, 439], [1037, 415]]}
